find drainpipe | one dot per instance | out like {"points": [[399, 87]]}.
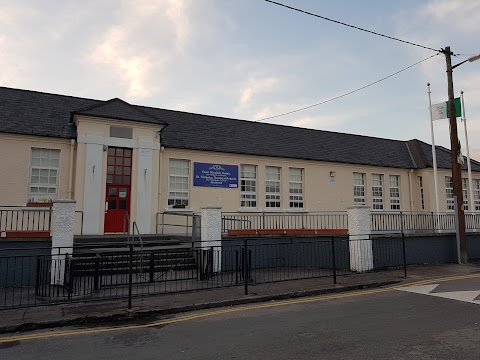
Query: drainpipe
{"points": [[70, 175], [410, 189], [159, 197]]}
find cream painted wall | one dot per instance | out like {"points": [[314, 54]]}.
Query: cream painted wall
{"points": [[321, 193], [15, 156], [97, 130]]}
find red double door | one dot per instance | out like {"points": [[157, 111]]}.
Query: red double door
{"points": [[118, 189]]}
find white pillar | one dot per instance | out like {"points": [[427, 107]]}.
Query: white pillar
{"points": [[211, 233], [62, 226], [360, 245]]}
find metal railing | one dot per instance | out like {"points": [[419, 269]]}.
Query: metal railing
{"points": [[420, 222], [32, 277], [279, 221], [173, 223], [14, 219]]}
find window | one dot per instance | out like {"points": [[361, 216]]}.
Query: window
{"points": [[476, 194], [449, 193], [44, 172], [248, 186], [295, 188], [422, 197], [358, 189], [465, 193], [377, 191], [272, 187], [395, 192], [178, 185]]}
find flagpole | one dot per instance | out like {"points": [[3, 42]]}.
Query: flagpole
{"points": [[434, 152], [470, 182]]}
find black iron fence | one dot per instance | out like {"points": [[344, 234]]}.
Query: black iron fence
{"points": [[37, 277]]}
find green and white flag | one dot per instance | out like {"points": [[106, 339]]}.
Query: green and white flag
{"points": [[440, 111]]}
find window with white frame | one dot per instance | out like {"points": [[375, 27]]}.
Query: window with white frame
{"points": [[272, 187], [248, 186], [358, 188], [44, 166], [178, 183], [377, 191], [465, 193], [476, 194], [449, 193], [395, 192], [295, 188], [422, 195]]}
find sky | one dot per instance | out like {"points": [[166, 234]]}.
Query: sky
{"points": [[250, 59]]}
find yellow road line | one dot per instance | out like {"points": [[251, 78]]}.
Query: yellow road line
{"points": [[229, 310]]}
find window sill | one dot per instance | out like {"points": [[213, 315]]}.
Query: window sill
{"points": [[178, 210]]}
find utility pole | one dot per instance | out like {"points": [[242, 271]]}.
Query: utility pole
{"points": [[456, 167]]}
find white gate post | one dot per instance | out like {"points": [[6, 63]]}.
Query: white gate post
{"points": [[211, 233], [360, 245], [62, 225]]}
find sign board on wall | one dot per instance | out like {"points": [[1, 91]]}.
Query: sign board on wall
{"points": [[215, 175]]}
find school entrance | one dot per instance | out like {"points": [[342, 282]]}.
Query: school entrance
{"points": [[118, 190]]}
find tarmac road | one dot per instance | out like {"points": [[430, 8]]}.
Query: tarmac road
{"points": [[417, 322]]}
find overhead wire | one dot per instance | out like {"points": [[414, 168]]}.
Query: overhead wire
{"points": [[350, 92], [351, 26], [317, 104]]}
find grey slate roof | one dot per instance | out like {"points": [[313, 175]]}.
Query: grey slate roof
{"points": [[35, 113], [118, 109]]}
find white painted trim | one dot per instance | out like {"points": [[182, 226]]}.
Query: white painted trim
{"points": [[144, 190], [92, 199], [117, 142]]}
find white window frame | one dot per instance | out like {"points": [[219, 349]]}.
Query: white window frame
{"points": [[377, 191], [476, 194], [449, 193], [248, 186], [44, 167], [465, 193], [295, 187], [273, 188], [178, 183], [359, 188], [394, 181]]}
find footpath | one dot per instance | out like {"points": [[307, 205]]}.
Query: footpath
{"points": [[110, 312]]}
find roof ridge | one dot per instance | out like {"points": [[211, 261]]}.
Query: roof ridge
{"points": [[49, 93]]}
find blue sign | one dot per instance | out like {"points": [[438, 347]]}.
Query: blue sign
{"points": [[215, 175]]}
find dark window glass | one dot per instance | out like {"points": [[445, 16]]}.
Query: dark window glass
{"points": [[126, 180], [109, 179], [126, 171], [109, 170], [122, 204], [118, 170], [112, 204], [127, 162], [111, 160], [119, 152], [118, 179], [119, 161], [111, 151], [112, 192], [127, 153]]}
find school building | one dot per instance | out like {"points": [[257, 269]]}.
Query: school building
{"points": [[121, 161]]}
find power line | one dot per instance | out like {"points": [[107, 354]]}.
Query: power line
{"points": [[350, 92], [351, 26]]}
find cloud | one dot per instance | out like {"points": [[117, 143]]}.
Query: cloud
{"points": [[124, 52], [256, 86], [130, 67], [464, 13]]}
